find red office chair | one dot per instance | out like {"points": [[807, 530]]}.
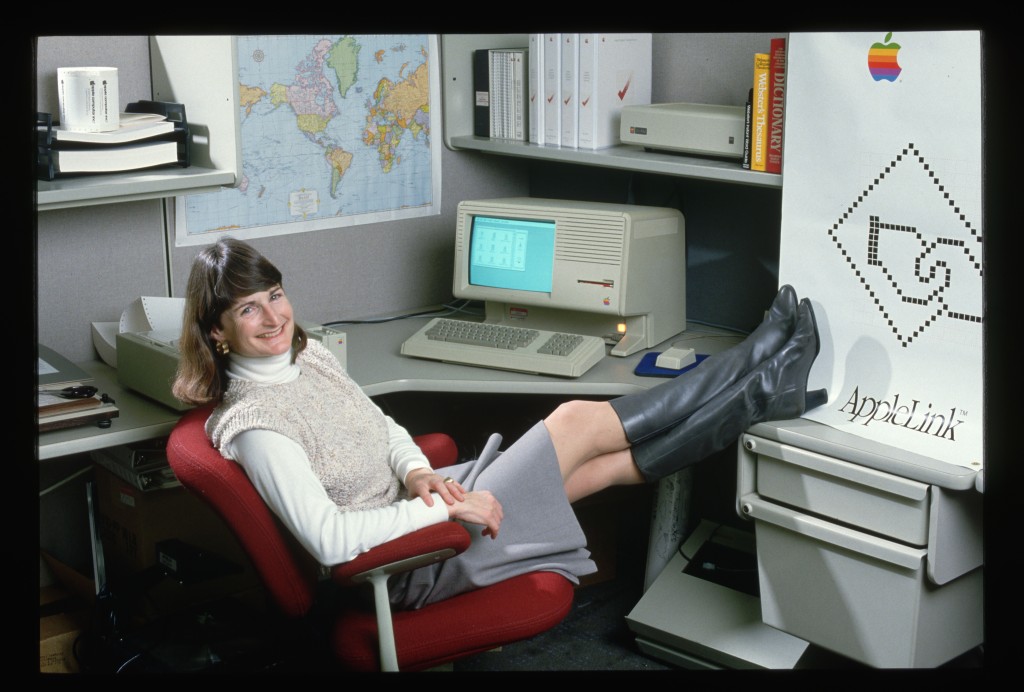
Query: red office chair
{"points": [[442, 632]]}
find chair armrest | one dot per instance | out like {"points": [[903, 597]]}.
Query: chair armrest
{"points": [[425, 546], [431, 544], [439, 448]]}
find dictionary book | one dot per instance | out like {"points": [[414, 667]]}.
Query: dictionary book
{"points": [[776, 104]]}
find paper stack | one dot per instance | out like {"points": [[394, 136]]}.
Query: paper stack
{"points": [[150, 134], [65, 396]]}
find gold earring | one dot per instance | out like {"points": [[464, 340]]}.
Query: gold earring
{"points": [[222, 348]]}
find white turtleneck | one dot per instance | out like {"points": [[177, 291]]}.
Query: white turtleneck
{"points": [[281, 472], [265, 370]]}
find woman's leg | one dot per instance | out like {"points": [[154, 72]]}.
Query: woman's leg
{"points": [[591, 441], [605, 471], [591, 446]]}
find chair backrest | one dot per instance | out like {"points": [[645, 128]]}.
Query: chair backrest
{"points": [[223, 485]]}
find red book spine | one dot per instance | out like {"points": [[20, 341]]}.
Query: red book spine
{"points": [[777, 105]]}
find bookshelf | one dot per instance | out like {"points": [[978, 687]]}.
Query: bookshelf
{"points": [[200, 72], [84, 191], [457, 107]]}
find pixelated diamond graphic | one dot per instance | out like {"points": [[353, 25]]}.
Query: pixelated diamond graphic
{"points": [[913, 249]]}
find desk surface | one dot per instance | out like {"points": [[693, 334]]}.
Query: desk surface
{"points": [[375, 363], [139, 418]]}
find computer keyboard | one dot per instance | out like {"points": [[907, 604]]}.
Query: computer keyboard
{"points": [[505, 347]]}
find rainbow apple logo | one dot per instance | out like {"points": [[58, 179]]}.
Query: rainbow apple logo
{"points": [[882, 62]]}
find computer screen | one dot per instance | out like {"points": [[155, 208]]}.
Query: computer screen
{"points": [[512, 253], [587, 267]]}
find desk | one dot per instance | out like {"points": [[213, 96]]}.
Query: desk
{"points": [[139, 418], [374, 361]]}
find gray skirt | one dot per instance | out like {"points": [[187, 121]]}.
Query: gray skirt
{"points": [[539, 531]]}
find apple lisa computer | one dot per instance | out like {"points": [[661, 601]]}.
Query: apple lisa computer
{"points": [[570, 277]]}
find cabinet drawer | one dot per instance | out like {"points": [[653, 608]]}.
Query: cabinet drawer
{"points": [[850, 494]]}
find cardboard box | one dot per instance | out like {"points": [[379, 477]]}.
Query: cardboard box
{"points": [[57, 637], [133, 522], [65, 620]]}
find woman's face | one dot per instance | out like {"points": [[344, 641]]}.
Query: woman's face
{"points": [[258, 325]]}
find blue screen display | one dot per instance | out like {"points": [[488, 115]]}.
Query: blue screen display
{"points": [[512, 253]]}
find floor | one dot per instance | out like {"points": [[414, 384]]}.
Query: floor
{"points": [[593, 638]]}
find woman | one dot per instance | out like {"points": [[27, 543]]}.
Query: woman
{"points": [[332, 466]]}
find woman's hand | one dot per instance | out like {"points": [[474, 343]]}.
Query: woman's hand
{"points": [[479, 507], [421, 482]]}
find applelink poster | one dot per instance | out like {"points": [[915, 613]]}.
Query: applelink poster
{"points": [[882, 229]]}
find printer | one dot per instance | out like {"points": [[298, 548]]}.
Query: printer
{"points": [[148, 361]]}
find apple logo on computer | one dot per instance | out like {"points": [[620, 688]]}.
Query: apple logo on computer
{"points": [[882, 62]]}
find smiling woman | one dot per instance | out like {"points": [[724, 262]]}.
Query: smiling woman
{"points": [[256, 325], [344, 477]]}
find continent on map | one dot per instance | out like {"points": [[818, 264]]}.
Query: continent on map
{"points": [[397, 108], [311, 94], [249, 96], [343, 59]]}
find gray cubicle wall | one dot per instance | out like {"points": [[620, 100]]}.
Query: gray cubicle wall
{"points": [[118, 252]]}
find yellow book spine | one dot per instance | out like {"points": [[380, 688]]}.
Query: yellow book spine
{"points": [[759, 121]]}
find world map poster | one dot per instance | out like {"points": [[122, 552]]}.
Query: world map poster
{"points": [[335, 131], [882, 229]]}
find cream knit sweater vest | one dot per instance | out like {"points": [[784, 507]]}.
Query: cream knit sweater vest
{"points": [[343, 433]]}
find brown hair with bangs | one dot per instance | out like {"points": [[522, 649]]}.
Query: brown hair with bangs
{"points": [[221, 274]]}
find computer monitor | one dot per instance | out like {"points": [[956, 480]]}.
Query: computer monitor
{"points": [[612, 270]]}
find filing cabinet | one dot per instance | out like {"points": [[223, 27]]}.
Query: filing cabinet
{"points": [[869, 551]]}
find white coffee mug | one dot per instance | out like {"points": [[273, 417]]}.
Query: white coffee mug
{"points": [[88, 100]]}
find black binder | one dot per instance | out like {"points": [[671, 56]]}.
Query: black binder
{"points": [[482, 92], [48, 148]]}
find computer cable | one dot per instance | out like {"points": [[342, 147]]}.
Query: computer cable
{"points": [[445, 310]]}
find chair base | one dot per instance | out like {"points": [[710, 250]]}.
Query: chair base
{"points": [[423, 644]]}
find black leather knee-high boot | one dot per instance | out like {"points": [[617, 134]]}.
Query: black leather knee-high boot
{"points": [[646, 414], [774, 390]]}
